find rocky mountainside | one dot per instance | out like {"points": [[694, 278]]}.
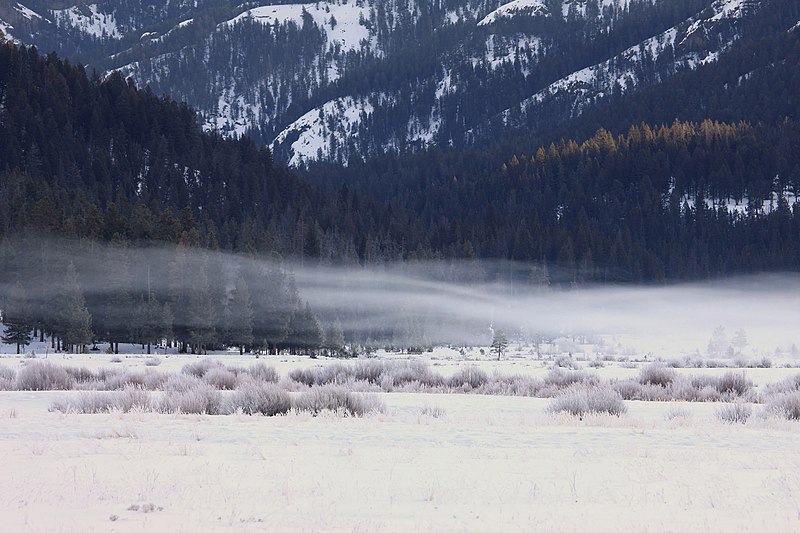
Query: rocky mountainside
{"points": [[339, 80]]}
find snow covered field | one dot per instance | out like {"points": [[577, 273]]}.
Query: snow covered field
{"points": [[431, 462]]}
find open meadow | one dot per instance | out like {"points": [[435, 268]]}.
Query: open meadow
{"points": [[466, 445]]}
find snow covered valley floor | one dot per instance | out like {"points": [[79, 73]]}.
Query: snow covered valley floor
{"points": [[429, 462]]}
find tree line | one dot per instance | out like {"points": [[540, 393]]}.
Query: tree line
{"points": [[82, 293]]}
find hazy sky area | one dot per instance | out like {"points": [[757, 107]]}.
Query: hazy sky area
{"points": [[433, 300]]}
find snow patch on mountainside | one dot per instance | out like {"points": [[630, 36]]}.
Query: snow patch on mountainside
{"points": [[315, 129], [528, 8], [89, 20], [341, 22], [6, 28], [27, 13], [620, 73], [746, 207]]}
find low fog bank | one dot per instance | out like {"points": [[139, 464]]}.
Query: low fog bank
{"points": [[664, 320], [423, 304]]}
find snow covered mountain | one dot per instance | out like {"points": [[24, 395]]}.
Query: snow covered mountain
{"points": [[341, 79]]}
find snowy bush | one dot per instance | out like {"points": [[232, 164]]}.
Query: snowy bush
{"points": [[152, 361], [181, 383], [8, 378], [657, 374], [734, 413], [80, 375], [790, 384], [44, 376], [628, 389], [734, 383], [254, 397], [200, 399], [337, 399], [335, 373], [560, 378], [565, 361], [469, 377], [132, 398], [264, 373], [200, 368], [786, 405], [221, 378], [579, 400], [512, 385], [403, 374]]}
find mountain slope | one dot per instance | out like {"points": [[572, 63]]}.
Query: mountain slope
{"points": [[342, 80]]}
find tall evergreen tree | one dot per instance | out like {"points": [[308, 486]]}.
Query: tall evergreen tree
{"points": [[240, 316], [73, 319], [17, 318]]}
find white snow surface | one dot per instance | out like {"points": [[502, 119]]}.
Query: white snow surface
{"points": [[530, 8], [89, 20], [347, 33]]}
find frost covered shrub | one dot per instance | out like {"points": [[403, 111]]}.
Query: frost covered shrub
{"points": [[628, 389], [181, 383], [579, 400], [786, 405], [44, 376], [152, 361], [790, 384], [734, 383], [221, 378], [469, 377], [565, 361], [80, 375], [200, 368], [337, 399], [323, 375], [735, 413], [560, 378], [154, 380], [513, 385], [263, 373], [417, 374], [8, 377], [104, 402], [258, 397], [370, 371], [200, 399], [657, 374]]}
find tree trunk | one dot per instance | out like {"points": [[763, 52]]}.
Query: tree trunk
{"points": [[148, 348], [241, 349]]}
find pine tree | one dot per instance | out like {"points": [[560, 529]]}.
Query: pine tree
{"points": [[240, 316], [499, 343], [17, 318], [73, 318], [334, 339], [202, 331]]}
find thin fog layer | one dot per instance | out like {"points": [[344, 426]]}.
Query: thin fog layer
{"points": [[425, 304], [672, 320]]}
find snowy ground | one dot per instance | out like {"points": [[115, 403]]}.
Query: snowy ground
{"points": [[432, 462]]}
